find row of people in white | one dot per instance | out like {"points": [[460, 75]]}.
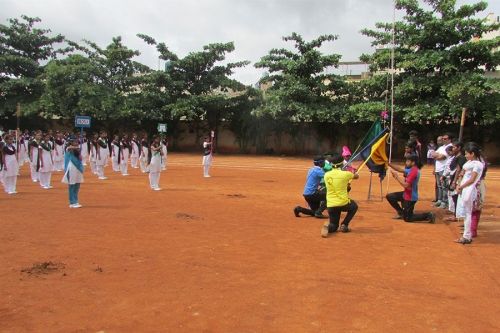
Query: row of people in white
{"points": [[41, 157]]}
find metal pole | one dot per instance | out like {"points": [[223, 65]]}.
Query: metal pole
{"points": [[370, 186], [392, 86]]}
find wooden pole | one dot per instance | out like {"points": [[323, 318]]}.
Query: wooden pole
{"points": [[462, 124]]}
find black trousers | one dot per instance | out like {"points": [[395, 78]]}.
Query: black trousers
{"points": [[334, 213], [314, 201], [405, 208]]}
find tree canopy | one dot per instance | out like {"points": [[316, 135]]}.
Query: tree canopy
{"points": [[440, 61]]}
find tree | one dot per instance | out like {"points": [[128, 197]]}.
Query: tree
{"points": [[440, 61], [23, 51], [102, 83], [197, 87], [301, 89]]}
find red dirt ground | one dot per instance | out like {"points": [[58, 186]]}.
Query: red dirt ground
{"points": [[226, 254]]}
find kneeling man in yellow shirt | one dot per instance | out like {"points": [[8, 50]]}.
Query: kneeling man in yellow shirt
{"points": [[337, 198]]}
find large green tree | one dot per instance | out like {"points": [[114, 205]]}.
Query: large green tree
{"points": [[440, 61], [301, 89], [104, 83], [24, 51], [197, 87]]}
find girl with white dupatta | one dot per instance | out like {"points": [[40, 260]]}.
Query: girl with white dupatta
{"points": [[46, 162], [164, 150], [33, 150], [467, 190], [58, 152], [135, 151], [73, 172], [102, 154], [10, 165], [155, 164]]}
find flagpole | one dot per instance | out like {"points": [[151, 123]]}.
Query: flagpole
{"points": [[392, 86]]}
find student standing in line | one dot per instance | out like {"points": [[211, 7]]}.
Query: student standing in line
{"points": [[46, 162], [207, 157], [155, 164], [124, 155], [115, 153], [135, 151], [58, 152], [144, 154], [85, 148], [102, 154], [93, 153], [10, 165], [33, 150], [164, 150], [73, 171]]}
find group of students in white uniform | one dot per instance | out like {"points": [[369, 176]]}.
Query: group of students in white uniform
{"points": [[47, 153]]}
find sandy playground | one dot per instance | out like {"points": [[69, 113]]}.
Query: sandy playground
{"points": [[226, 254]]}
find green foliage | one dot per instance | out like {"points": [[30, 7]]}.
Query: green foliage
{"points": [[23, 50], [197, 87], [440, 61], [104, 84], [301, 90]]}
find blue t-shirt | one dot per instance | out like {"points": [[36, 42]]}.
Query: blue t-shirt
{"points": [[314, 176]]}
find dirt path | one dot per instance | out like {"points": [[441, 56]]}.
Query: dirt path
{"points": [[226, 254]]}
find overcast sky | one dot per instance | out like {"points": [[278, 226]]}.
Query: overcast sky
{"points": [[255, 26]]}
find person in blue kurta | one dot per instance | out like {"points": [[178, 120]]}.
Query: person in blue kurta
{"points": [[73, 172]]}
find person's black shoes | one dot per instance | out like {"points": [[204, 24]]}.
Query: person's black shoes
{"points": [[344, 228], [296, 211], [432, 218]]}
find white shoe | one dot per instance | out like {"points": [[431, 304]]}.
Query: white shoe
{"points": [[46, 187], [207, 176], [75, 206], [12, 192], [157, 189], [102, 178], [125, 174], [35, 180]]}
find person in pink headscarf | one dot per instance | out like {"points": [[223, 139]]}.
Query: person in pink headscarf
{"points": [[346, 154]]}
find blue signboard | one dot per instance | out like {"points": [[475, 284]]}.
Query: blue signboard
{"points": [[82, 121]]}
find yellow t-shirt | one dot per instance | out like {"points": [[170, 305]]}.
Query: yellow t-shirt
{"points": [[336, 187]]}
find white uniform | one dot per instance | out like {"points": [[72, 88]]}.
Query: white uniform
{"points": [[124, 155], [207, 158], [155, 169], [34, 162], [46, 165], [115, 146], [134, 155], [10, 169], [58, 155], [466, 198], [143, 160], [164, 150], [84, 150], [102, 155]]}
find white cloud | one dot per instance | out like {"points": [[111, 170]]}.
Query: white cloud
{"points": [[255, 26]]}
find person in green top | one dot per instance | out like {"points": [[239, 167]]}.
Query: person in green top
{"points": [[337, 197]]}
